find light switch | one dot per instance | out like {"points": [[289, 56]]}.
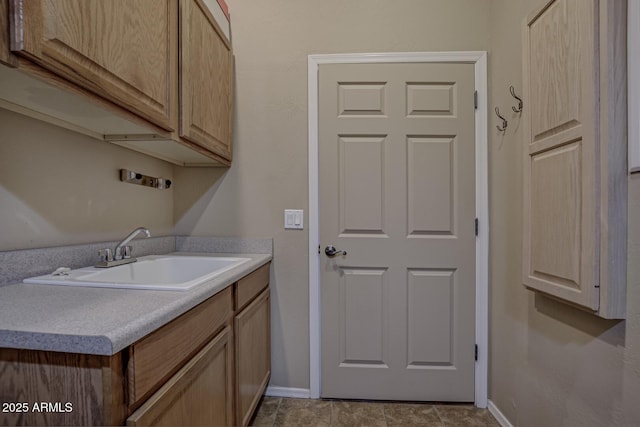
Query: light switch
{"points": [[294, 219]]}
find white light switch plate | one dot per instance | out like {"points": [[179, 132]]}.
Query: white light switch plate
{"points": [[294, 219]]}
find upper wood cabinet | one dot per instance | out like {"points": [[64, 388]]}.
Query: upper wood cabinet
{"points": [[575, 164], [206, 66], [154, 76], [119, 49]]}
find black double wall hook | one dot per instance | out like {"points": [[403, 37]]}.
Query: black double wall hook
{"points": [[504, 121], [517, 109]]}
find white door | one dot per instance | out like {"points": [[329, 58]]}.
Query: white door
{"points": [[397, 193]]}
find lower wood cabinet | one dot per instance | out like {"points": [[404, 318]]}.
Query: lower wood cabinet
{"points": [[200, 394], [253, 350], [156, 357], [208, 367]]}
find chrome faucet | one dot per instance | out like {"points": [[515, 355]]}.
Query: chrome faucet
{"points": [[122, 251]]}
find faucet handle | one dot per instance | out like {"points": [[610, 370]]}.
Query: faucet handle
{"points": [[105, 255], [126, 252]]}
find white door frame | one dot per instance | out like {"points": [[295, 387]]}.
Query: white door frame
{"points": [[479, 59]]}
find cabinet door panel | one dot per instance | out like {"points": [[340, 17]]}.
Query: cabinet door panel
{"points": [[118, 49], [206, 75], [253, 355], [560, 212], [200, 394]]}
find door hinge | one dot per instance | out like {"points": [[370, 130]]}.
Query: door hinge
{"points": [[476, 353], [477, 227], [475, 99], [318, 248]]}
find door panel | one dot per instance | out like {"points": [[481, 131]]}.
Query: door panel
{"points": [[361, 99], [361, 161], [397, 192], [363, 331], [430, 300], [430, 99], [430, 172]]}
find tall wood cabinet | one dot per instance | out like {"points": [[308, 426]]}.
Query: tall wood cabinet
{"points": [[574, 154]]}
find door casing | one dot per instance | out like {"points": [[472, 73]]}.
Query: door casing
{"points": [[479, 59]]}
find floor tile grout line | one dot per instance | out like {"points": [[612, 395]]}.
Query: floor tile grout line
{"points": [[331, 413], [275, 415], [384, 415], [439, 416]]}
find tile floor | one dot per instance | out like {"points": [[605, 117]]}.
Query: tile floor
{"points": [[276, 411]]}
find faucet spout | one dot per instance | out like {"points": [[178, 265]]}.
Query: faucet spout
{"points": [[123, 244], [122, 252]]}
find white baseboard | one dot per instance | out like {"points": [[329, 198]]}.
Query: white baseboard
{"points": [[499, 416], [301, 393]]}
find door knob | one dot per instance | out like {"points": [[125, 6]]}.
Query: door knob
{"points": [[331, 251]]}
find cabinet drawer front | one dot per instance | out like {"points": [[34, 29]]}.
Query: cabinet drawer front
{"points": [[249, 287], [161, 353]]}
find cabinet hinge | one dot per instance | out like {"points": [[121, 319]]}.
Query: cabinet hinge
{"points": [[475, 99], [477, 227], [476, 353]]}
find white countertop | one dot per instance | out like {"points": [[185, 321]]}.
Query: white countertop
{"points": [[99, 320]]}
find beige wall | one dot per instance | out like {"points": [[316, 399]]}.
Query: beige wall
{"points": [[58, 187], [550, 365], [271, 42]]}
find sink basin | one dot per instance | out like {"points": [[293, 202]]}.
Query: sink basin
{"points": [[154, 272]]}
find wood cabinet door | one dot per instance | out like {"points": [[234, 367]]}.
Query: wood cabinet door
{"points": [[200, 394], [206, 64], [119, 49], [561, 231], [253, 356]]}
